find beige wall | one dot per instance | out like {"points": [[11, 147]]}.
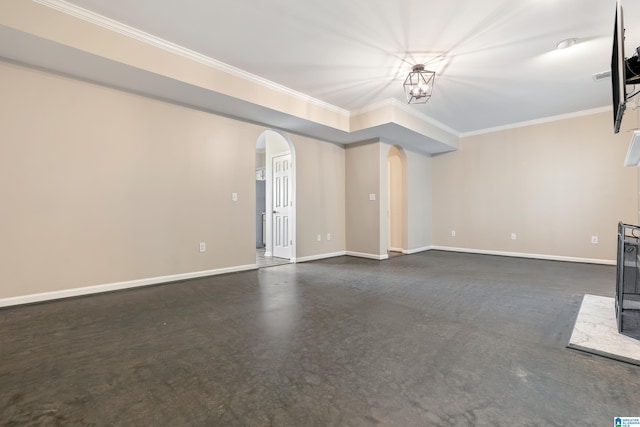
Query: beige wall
{"points": [[554, 184], [100, 186], [320, 196]]}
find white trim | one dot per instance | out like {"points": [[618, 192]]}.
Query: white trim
{"points": [[109, 287], [416, 250], [369, 256], [321, 256], [133, 33], [526, 255], [396, 250], [537, 121]]}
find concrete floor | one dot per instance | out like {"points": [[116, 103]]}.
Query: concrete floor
{"points": [[264, 261], [431, 339]]}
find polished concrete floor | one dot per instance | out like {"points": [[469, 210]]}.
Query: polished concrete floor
{"points": [[263, 261], [431, 339]]}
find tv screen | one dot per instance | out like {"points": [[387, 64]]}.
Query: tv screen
{"points": [[618, 72]]}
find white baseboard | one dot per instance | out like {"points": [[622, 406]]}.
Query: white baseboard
{"points": [[321, 256], [369, 256], [67, 293], [396, 250], [416, 250], [526, 255], [88, 290]]}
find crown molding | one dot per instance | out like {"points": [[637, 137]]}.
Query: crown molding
{"points": [[537, 121], [133, 33]]}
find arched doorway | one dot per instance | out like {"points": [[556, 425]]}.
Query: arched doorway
{"points": [[397, 210], [275, 198]]}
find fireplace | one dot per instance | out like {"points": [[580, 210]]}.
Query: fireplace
{"points": [[628, 280]]}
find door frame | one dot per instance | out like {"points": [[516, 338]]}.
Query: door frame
{"points": [[265, 138]]}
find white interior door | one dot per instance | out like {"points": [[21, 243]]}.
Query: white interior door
{"points": [[282, 206]]}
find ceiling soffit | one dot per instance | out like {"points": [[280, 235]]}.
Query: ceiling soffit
{"points": [[151, 66]]}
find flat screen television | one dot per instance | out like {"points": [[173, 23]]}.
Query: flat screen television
{"points": [[618, 70]]}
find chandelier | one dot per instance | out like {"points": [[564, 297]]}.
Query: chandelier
{"points": [[419, 84]]}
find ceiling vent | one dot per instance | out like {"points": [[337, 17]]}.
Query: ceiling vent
{"points": [[602, 75]]}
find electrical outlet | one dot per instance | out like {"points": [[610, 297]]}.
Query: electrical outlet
{"points": [[319, 237], [203, 247], [328, 236], [594, 240], [372, 196], [453, 233], [513, 236]]}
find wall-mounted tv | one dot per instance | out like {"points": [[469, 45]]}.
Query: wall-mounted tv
{"points": [[618, 70], [624, 71]]}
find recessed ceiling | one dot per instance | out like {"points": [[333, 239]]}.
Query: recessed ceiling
{"points": [[496, 59]]}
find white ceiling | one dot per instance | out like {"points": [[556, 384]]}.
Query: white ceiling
{"points": [[496, 61]]}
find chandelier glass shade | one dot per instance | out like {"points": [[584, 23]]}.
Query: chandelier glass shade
{"points": [[418, 85]]}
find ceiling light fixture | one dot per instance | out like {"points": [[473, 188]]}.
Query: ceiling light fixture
{"points": [[566, 43], [419, 84]]}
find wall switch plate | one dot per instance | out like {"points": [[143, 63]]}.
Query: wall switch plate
{"points": [[234, 197], [594, 240], [513, 236], [453, 233], [319, 237], [203, 247], [372, 196], [328, 236]]}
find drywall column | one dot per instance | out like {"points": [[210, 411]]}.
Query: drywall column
{"points": [[363, 200]]}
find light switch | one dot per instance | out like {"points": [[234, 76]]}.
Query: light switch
{"points": [[234, 197]]}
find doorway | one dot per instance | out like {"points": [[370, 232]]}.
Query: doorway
{"points": [[397, 209], [275, 211]]}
